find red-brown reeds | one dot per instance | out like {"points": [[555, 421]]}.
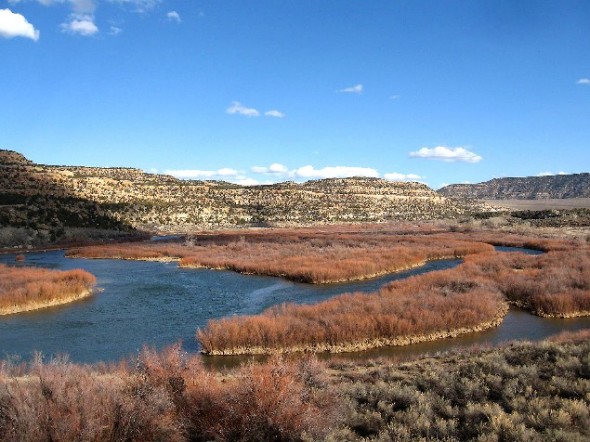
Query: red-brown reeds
{"points": [[166, 396], [25, 288], [420, 308], [554, 284], [303, 255], [428, 306]]}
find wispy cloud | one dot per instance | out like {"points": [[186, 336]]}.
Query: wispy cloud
{"points": [[224, 174], [277, 172], [174, 16], [202, 174], [395, 176], [447, 154], [333, 172], [246, 181], [274, 113], [583, 81], [16, 25], [356, 89], [551, 173], [79, 6], [115, 30], [238, 108], [273, 169], [138, 5], [80, 25]]}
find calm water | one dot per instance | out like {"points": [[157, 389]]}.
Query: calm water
{"points": [[159, 304]]}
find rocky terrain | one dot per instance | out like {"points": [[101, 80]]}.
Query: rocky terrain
{"points": [[525, 188], [49, 199]]}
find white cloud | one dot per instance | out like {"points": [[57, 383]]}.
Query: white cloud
{"points": [[83, 6], [115, 30], [583, 81], [79, 6], [551, 173], [16, 25], [174, 16], [81, 25], [273, 169], [333, 172], [245, 181], [356, 89], [238, 108], [139, 5], [395, 176], [447, 154], [202, 174], [274, 113]]}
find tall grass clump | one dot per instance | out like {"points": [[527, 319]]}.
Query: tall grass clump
{"points": [[25, 288], [417, 309], [166, 396]]}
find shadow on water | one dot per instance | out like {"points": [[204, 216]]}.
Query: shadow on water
{"points": [[160, 304]]}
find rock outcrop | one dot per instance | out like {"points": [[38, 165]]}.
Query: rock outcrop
{"points": [[56, 196], [526, 188]]}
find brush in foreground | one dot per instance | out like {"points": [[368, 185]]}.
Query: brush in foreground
{"points": [[519, 392], [165, 396]]}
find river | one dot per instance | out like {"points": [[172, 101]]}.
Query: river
{"points": [[159, 304]]}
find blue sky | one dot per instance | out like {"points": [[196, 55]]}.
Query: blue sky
{"points": [[257, 91]]}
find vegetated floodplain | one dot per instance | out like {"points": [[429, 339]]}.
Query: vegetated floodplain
{"points": [[23, 289], [472, 297], [322, 255], [521, 391]]}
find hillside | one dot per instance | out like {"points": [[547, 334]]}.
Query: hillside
{"points": [[525, 188], [51, 198]]}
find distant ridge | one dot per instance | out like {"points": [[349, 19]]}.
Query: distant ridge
{"points": [[51, 198], [525, 188]]}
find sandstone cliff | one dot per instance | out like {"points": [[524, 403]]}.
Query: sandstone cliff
{"points": [[51, 197]]}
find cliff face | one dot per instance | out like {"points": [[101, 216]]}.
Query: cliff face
{"points": [[93, 197], [527, 188]]}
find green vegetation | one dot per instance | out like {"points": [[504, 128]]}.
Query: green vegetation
{"points": [[519, 392]]}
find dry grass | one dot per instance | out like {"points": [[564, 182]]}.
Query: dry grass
{"points": [[518, 392], [471, 297], [330, 254], [166, 396], [431, 306], [425, 307], [23, 288], [541, 204], [468, 298]]}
